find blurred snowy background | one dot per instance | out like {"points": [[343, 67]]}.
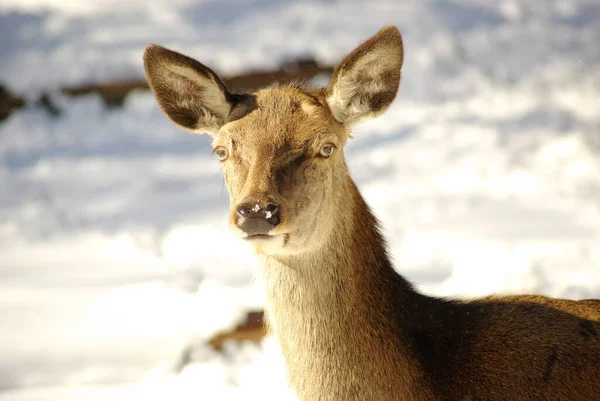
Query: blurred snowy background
{"points": [[114, 252]]}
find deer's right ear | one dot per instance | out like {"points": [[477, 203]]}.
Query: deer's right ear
{"points": [[189, 93]]}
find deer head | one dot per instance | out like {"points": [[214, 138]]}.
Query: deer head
{"points": [[281, 148]]}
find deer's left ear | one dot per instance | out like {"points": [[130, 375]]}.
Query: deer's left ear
{"points": [[366, 81], [189, 93]]}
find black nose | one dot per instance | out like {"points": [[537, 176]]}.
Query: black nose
{"points": [[257, 218]]}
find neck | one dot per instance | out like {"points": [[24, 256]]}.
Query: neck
{"points": [[335, 311]]}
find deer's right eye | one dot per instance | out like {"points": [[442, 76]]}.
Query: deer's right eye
{"points": [[221, 153]]}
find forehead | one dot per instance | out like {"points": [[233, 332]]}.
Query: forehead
{"points": [[279, 117]]}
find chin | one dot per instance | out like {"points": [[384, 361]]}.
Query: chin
{"points": [[268, 244]]}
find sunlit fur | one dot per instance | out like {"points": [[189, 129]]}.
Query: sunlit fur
{"points": [[349, 326]]}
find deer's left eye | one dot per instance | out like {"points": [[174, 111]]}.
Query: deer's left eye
{"points": [[221, 153], [326, 150]]}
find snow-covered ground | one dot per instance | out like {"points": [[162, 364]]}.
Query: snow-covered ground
{"points": [[113, 241]]}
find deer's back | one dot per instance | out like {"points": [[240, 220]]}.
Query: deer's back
{"points": [[513, 348]]}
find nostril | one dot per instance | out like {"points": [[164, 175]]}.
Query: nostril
{"points": [[272, 213], [243, 211], [272, 208]]}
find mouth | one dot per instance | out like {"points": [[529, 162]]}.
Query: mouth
{"points": [[264, 238], [257, 237]]}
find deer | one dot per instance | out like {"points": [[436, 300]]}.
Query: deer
{"points": [[350, 327]]}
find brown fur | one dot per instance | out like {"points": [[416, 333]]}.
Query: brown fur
{"points": [[252, 330], [349, 326]]}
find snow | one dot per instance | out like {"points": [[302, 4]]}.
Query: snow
{"points": [[116, 259]]}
